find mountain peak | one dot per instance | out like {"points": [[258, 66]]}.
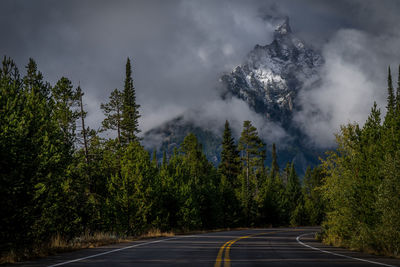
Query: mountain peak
{"points": [[283, 28]]}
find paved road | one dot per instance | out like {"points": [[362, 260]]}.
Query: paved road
{"points": [[254, 247]]}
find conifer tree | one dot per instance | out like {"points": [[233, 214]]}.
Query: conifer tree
{"points": [[253, 149], [164, 159], [293, 189], [229, 168], [33, 80], [252, 154], [31, 158], [113, 112], [65, 111], [390, 101], [230, 165], [130, 110], [397, 111], [390, 119]]}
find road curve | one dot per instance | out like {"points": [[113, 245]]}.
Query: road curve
{"points": [[252, 247]]}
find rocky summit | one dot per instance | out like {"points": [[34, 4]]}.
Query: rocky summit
{"points": [[268, 81], [273, 74]]}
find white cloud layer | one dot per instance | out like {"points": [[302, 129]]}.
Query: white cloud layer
{"points": [[352, 79], [180, 48], [214, 113]]}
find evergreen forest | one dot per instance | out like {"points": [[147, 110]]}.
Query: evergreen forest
{"points": [[60, 178]]}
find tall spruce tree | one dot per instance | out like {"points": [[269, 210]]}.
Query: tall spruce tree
{"points": [[229, 168], [113, 112], [391, 101], [397, 111], [130, 110], [230, 164], [390, 119]]}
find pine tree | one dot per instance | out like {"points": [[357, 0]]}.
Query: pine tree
{"points": [[130, 110], [65, 111], [229, 168], [33, 80], [113, 112], [252, 154], [397, 111], [390, 117], [253, 149], [32, 159], [198, 183], [293, 189], [229, 165], [390, 101]]}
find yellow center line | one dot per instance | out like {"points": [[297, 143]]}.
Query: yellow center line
{"points": [[219, 256], [227, 247]]}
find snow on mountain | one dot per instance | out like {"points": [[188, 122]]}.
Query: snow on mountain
{"points": [[268, 81], [272, 74]]}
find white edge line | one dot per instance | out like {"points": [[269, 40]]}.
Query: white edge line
{"points": [[116, 250], [340, 255]]}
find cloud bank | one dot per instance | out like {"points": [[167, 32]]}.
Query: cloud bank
{"points": [[180, 47], [353, 77]]}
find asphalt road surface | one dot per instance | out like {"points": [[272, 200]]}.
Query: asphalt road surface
{"points": [[253, 247]]}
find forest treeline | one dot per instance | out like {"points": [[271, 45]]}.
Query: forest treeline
{"points": [[60, 178], [362, 183]]}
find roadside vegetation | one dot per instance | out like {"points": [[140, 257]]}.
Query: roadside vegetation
{"points": [[362, 184], [63, 186]]}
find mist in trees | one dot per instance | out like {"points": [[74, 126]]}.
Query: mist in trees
{"points": [[58, 177]]}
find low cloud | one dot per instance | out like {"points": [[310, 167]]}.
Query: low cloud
{"points": [[213, 114], [351, 80], [180, 47]]}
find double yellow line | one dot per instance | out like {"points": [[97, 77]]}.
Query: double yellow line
{"points": [[227, 248]]}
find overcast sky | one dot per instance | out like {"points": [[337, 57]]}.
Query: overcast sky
{"points": [[180, 48]]}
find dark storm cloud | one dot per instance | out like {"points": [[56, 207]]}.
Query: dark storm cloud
{"points": [[179, 48]]}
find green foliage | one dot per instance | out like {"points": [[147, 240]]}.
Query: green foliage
{"points": [[113, 112], [230, 164], [131, 192], [252, 151], [64, 107], [130, 110], [51, 185], [313, 203], [361, 187], [31, 158]]}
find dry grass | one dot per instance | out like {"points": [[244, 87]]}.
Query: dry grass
{"points": [[59, 244], [157, 233], [9, 257]]}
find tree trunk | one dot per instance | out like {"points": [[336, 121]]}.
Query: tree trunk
{"points": [[84, 130], [119, 126]]}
